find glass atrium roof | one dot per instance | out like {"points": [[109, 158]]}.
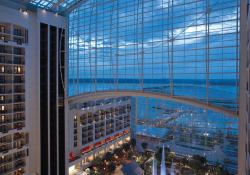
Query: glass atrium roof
{"points": [[51, 5]]}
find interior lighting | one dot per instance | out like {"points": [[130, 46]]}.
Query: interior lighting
{"points": [[24, 11]]}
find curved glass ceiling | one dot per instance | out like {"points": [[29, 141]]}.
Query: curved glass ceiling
{"points": [[52, 5], [184, 48]]}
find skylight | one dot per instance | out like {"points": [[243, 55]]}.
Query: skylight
{"points": [[54, 5]]}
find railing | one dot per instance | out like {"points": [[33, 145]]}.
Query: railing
{"points": [[6, 81], [5, 160], [5, 61], [18, 119], [17, 100], [5, 91], [18, 125], [5, 101], [19, 109], [19, 90], [5, 148], [20, 61], [6, 111], [6, 120], [19, 155], [5, 128]]}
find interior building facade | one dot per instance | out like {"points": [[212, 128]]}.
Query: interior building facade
{"points": [[79, 78]]}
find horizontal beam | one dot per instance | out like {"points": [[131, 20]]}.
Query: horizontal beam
{"points": [[137, 93]]}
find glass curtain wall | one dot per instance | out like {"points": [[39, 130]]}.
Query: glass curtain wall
{"points": [[185, 48]]}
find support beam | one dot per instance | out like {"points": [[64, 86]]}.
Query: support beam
{"points": [[138, 93]]}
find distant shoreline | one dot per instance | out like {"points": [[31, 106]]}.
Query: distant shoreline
{"points": [[225, 82]]}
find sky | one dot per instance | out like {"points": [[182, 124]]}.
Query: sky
{"points": [[141, 39]]}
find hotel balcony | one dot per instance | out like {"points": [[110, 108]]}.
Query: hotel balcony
{"points": [[5, 49], [97, 118], [6, 100], [5, 140], [99, 134], [19, 99], [127, 124], [6, 110], [98, 130], [19, 136], [19, 164], [7, 59], [5, 128], [19, 89], [5, 119], [18, 79], [99, 125], [19, 125], [19, 60], [110, 121], [87, 128], [20, 154], [84, 121], [118, 126], [110, 127], [6, 159], [7, 89], [6, 80], [18, 108], [109, 131], [18, 51], [18, 117], [87, 133], [12, 157], [5, 148], [19, 143]]}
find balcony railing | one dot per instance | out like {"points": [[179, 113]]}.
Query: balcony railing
{"points": [[5, 91], [19, 90], [19, 125], [5, 61], [6, 120], [18, 119], [5, 160], [5, 128], [19, 61], [5, 148], [6, 111], [19, 109], [6, 101]]}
